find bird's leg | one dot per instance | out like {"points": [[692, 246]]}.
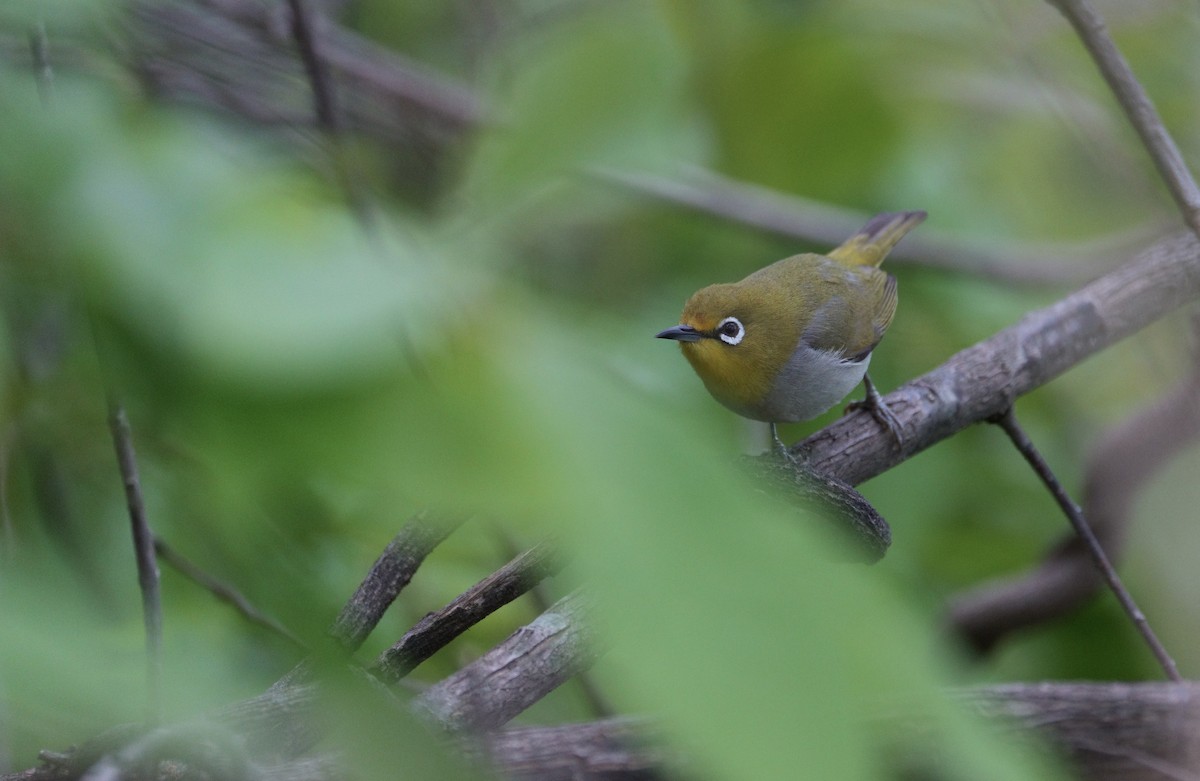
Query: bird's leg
{"points": [[796, 459], [879, 410], [779, 446]]}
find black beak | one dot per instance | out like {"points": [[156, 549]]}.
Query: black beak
{"points": [[680, 333]]}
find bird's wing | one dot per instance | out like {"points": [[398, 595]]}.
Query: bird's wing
{"points": [[854, 328]]}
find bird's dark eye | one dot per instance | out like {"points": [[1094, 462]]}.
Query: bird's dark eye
{"points": [[731, 330]]}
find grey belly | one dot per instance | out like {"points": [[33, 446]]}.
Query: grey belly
{"points": [[812, 382]]}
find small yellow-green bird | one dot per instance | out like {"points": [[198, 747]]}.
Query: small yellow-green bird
{"points": [[793, 339]]}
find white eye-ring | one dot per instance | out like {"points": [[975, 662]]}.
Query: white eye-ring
{"points": [[731, 330]]}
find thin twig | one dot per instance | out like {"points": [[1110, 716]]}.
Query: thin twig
{"points": [[1138, 107], [147, 565], [1124, 461], [1020, 440], [223, 592], [437, 629]]}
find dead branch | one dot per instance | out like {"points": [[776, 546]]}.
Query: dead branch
{"points": [[518, 672], [437, 629]]}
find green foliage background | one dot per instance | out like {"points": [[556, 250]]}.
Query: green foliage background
{"points": [[299, 386]]}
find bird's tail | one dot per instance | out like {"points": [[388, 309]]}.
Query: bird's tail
{"points": [[871, 245]]}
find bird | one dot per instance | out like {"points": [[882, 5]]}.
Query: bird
{"points": [[794, 338]]}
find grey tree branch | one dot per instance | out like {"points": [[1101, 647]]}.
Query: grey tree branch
{"points": [[518, 672], [240, 57], [1108, 732], [437, 629], [616, 749], [794, 217], [1137, 106], [984, 380]]}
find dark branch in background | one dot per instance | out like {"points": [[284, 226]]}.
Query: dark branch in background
{"points": [[794, 217], [147, 565], [1138, 107], [1120, 466], [518, 672], [437, 629], [392, 571], [223, 592], [325, 106], [985, 379], [1008, 422], [318, 77], [236, 57]]}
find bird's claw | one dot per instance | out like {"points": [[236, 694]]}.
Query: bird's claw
{"points": [[879, 410]]}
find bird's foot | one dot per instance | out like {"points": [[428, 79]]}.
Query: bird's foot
{"points": [[798, 459], [879, 410]]}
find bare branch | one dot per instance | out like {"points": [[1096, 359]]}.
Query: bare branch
{"points": [[983, 380], [236, 57], [1127, 731], [618, 749], [518, 672], [1137, 106], [1020, 440], [794, 217], [1121, 465], [391, 572], [437, 629], [147, 565]]}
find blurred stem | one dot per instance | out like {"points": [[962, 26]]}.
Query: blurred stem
{"points": [[1008, 421], [143, 547], [1138, 107], [325, 106], [223, 592], [39, 49]]}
